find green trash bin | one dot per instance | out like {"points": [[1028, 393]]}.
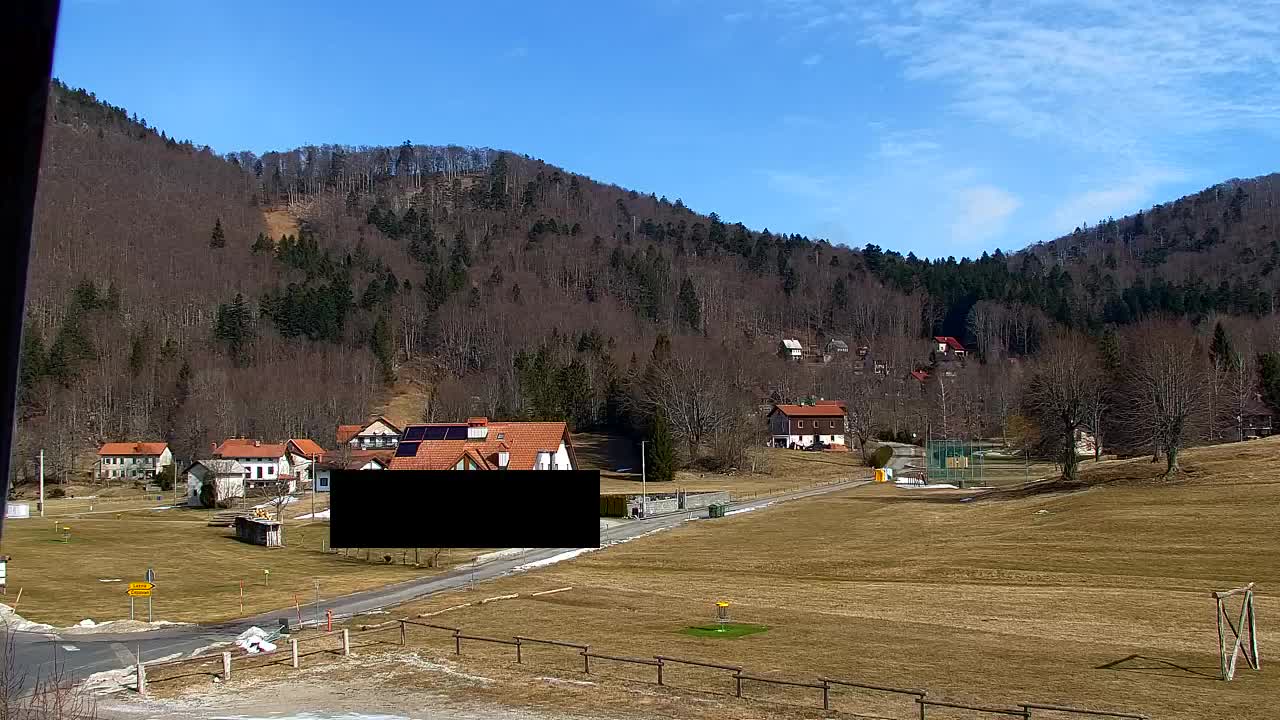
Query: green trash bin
{"points": [[715, 511]]}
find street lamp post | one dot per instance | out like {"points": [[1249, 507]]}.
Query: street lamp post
{"points": [[644, 484]]}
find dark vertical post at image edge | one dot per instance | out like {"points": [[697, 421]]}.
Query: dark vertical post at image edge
{"points": [[27, 32]]}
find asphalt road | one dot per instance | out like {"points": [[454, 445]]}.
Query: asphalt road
{"points": [[83, 655]]}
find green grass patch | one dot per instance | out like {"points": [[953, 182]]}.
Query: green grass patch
{"points": [[727, 630]]}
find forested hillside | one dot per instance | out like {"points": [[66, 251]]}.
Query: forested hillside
{"points": [[161, 307]]}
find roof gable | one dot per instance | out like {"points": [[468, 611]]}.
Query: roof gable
{"points": [[133, 448], [523, 441], [803, 411], [306, 447], [247, 448]]}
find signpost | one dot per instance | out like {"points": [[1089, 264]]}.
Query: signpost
{"points": [[4, 574], [140, 589]]}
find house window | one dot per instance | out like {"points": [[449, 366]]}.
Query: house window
{"points": [[259, 472], [799, 423], [271, 470]]}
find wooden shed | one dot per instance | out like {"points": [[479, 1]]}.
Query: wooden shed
{"points": [[259, 531]]}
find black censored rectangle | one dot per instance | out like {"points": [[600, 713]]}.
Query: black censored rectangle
{"points": [[464, 509]]}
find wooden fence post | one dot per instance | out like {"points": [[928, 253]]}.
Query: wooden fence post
{"points": [[586, 660], [457, 642], [226, 666], [826, 695], [346, 642], [737, 683], [402, 633], [659, 670], [294, 643], [142, 680], [518, 660]]}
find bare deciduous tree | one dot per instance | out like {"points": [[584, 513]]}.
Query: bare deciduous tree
{"points": [[1165, 388], [1061, 390]]}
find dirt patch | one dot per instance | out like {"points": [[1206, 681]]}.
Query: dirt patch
{"points": [[280, 222]]}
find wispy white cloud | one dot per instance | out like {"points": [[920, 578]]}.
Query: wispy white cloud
{"points": [[906, 146], [1101, 74], [1112, 198], [984, 211], [812, 60]]}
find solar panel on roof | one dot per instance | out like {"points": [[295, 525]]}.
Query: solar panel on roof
{"points": [[407, 449], [434, 433], [414, 433]]}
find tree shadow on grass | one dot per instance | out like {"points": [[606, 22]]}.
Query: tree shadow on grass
{"points": [[1160, 666]]}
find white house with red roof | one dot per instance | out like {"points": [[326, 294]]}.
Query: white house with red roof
{"points": [[948, 347], [352, 460], [801, 426], [264, 463], [376, 434], [132, 460], [479, 444]]}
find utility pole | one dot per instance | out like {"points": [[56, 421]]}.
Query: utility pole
{"points": [[644, 487], [42, 482]]}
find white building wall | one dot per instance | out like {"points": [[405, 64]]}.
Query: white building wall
{"points": [[561, 460]]}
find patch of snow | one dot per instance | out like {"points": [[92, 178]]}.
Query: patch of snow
{"points": [[16, 622], [108, 682], [272, 503], [441, 667], [746, 509], [553, 559], [256, 640], [934, 486], [164, 507], [206, 648], [375, 612], [86, 623], [499, 554], [110, 580], [322, 515]]}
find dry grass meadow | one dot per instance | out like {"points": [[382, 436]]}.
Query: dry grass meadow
{"points": [[198, 568], [1097, 598], [780, 470]]}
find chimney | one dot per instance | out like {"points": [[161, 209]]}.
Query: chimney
{"points": [[257, 443], [213, 448], [477, 428]]}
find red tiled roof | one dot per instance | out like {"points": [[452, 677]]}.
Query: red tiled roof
{"points": [[832, 411], [133, 448], [838, 403], [920, 375], [523, 440], [309, 448], [247, 448], [950, 342], [346, 432]]}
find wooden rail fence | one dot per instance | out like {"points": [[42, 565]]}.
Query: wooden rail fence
{"points": [[659, 662]]}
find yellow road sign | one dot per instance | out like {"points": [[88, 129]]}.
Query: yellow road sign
{"points": [[142, 586], [139, 593]]}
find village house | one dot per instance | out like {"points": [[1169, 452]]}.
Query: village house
{"points": [[265, 464], [947, 348], [836, 348], [354, 460], [133, 460], [375, 434], [790, 349], [479, 444], [227, 476], [303, 455], [801, 426]]}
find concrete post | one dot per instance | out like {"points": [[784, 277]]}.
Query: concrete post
{"points": [[142, 680], [346, 641], [226, 666], [294, 643]]}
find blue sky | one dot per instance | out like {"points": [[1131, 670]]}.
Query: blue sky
{"points": [[943, 127]]}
